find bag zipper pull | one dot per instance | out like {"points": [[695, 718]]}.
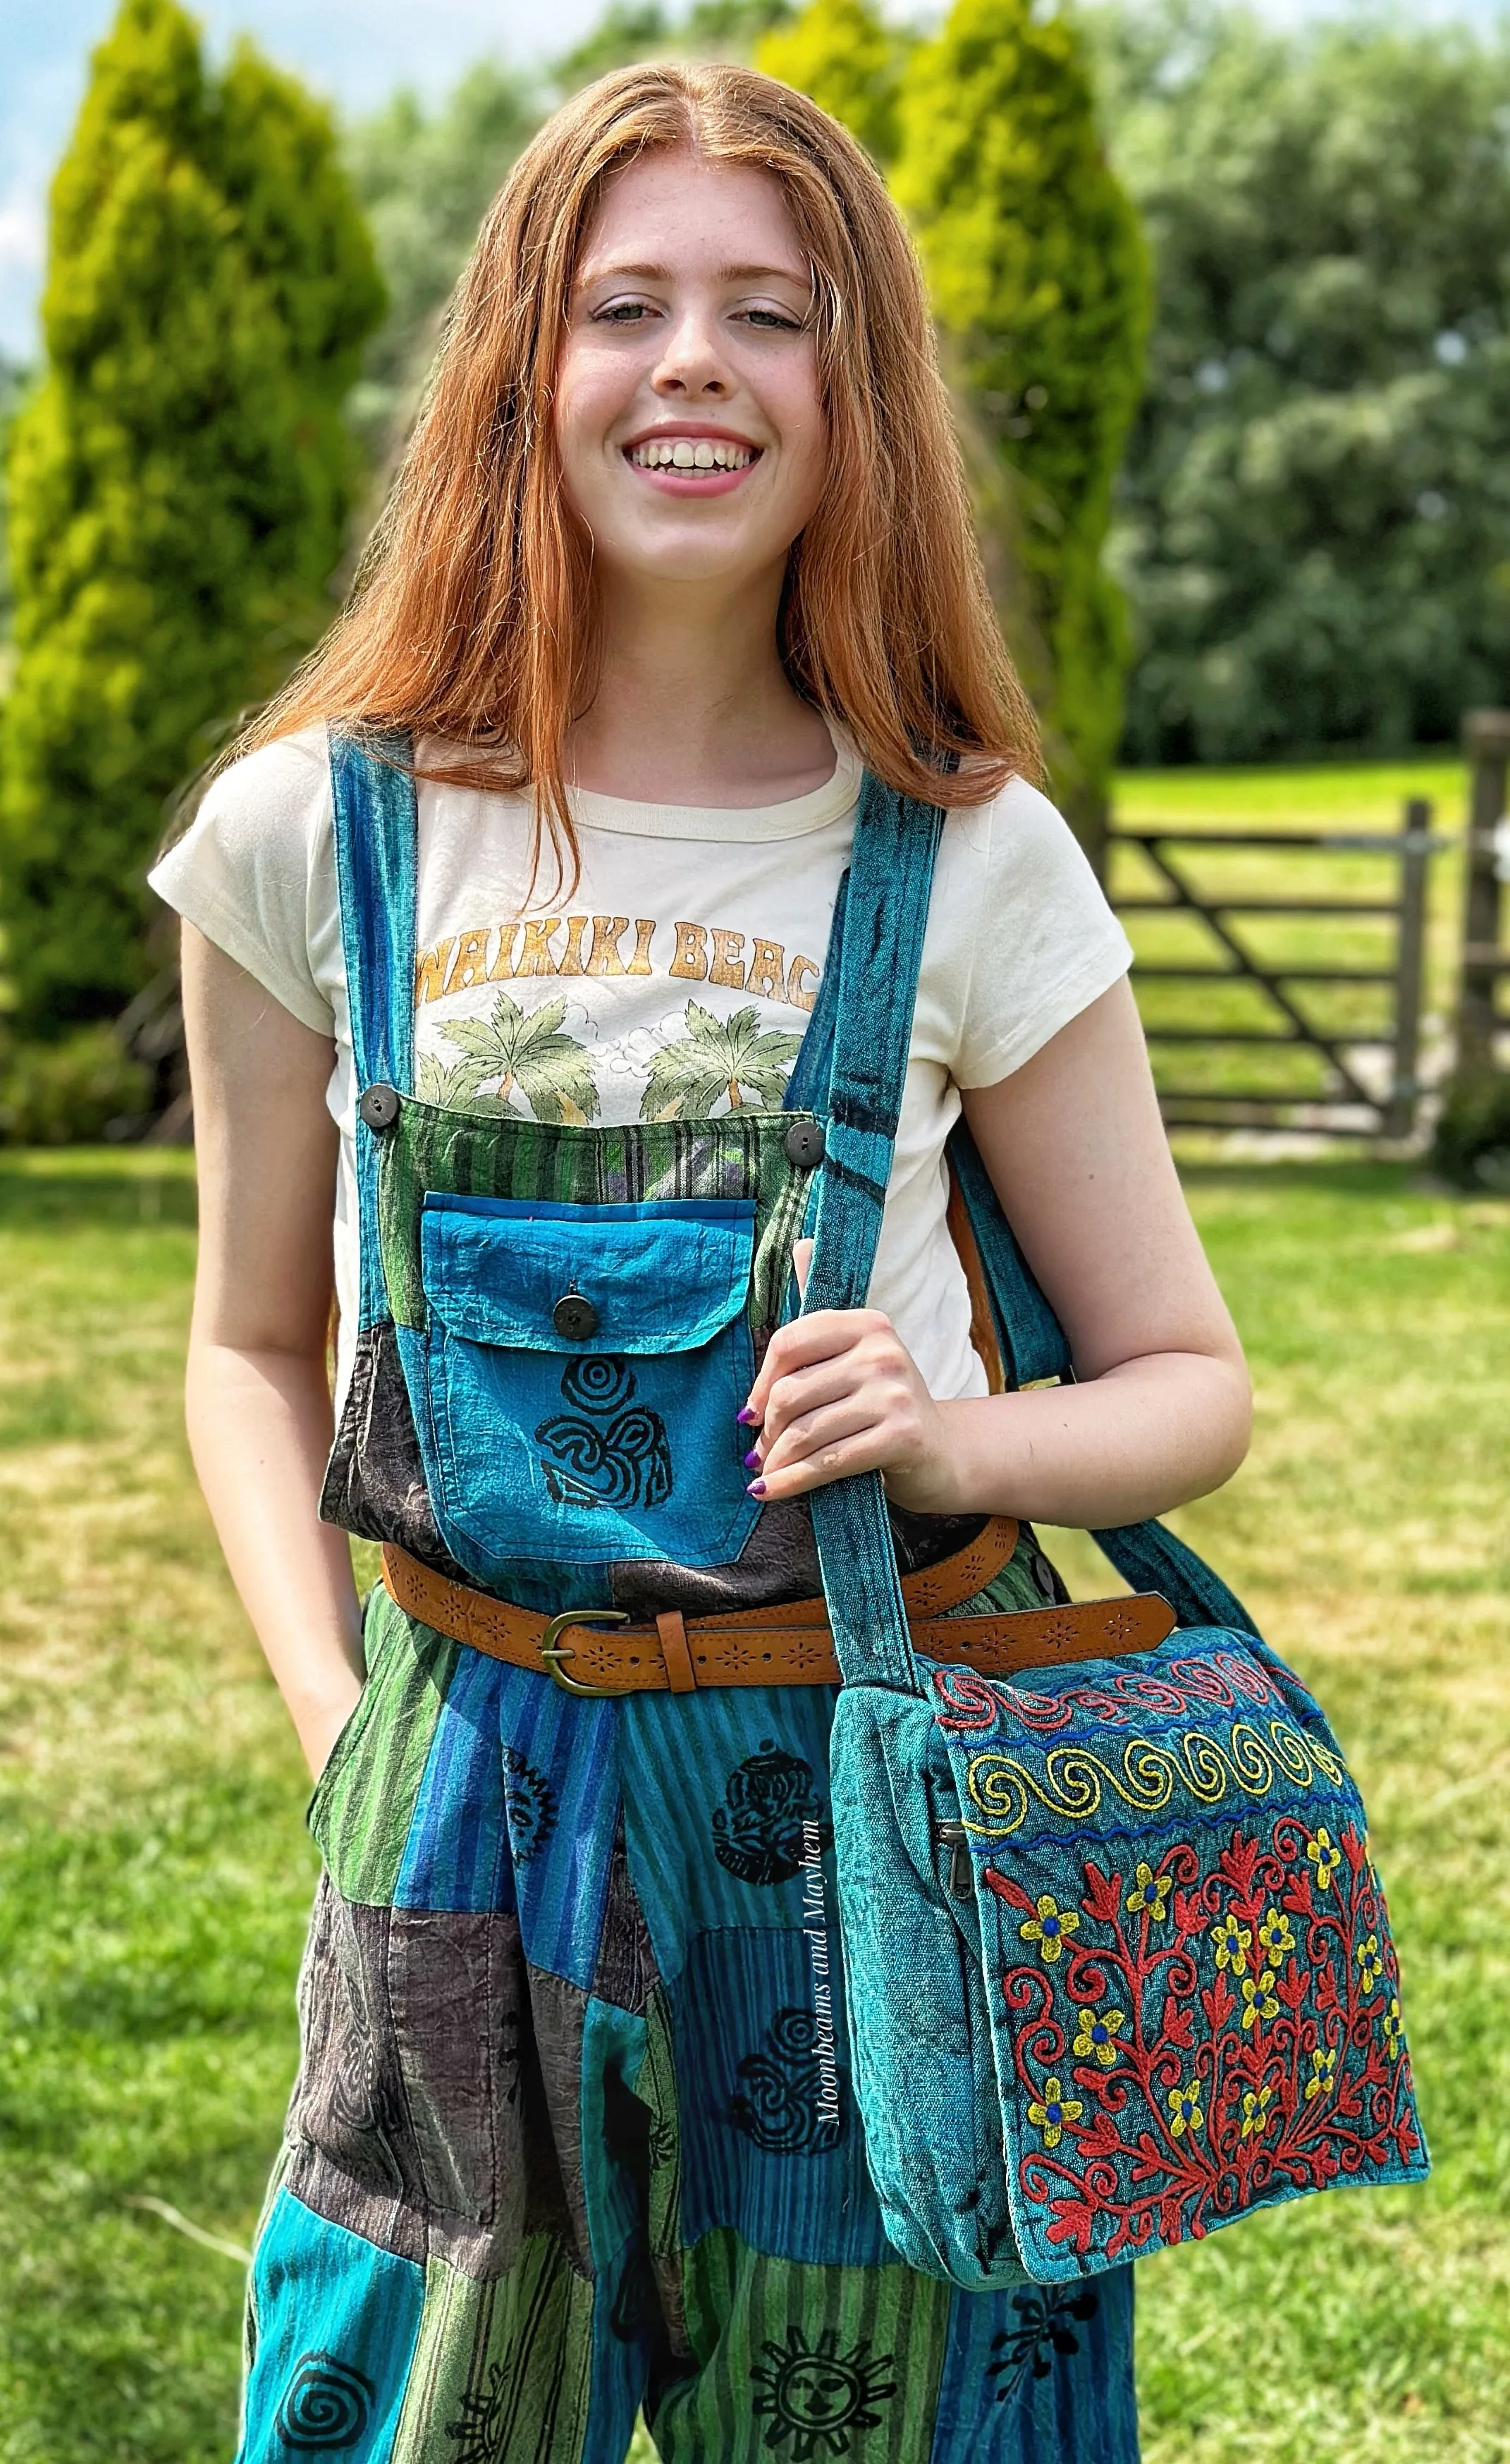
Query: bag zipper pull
{"points": [[961, 1882]]}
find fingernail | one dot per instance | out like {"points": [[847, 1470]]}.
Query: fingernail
{"points": [[753, 1458], [748, 1419], [757, 1488]]}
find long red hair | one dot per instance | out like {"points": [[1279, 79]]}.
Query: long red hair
{"points": [[473, 616]]}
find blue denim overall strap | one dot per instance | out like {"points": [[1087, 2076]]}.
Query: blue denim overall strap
{"points": [[890, 876], [376, 830], [1035, 1346]]}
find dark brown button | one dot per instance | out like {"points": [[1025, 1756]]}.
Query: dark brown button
{"points": [[573, 1318], [805, 1145], [380, 1106]]}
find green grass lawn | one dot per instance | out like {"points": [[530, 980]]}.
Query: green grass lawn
{"points": [[154, 1872]]}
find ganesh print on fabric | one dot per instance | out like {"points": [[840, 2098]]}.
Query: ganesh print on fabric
{"points": [[1203, 2015]]}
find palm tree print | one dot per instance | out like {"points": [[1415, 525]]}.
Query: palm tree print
{"points": [[719, 1061], [451, 1082], [528, 1060]]}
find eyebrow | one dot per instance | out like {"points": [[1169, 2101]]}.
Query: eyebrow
{"points": [[723, 274]]}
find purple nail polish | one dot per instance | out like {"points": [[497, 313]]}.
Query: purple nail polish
{"points": [[753, 1458], [757, 1488], [748, 1419]]}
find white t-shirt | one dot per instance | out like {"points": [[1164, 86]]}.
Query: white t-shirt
{"points": [[677, 977]]}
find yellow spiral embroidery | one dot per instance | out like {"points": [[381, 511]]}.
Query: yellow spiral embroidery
{"points": [[1073, 1778]]}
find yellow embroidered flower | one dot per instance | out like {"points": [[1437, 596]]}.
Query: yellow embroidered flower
{"points": [[1258, 1998], [1096, 2035], [1324, 2062], [1051, 2116], [1325, 1858], [1230, 1942], [1256, 2111], [1393, 2033], [1185, 2109], [1275, 1937], [1371, 1964], [1152, 1891], [1050, 1927]]}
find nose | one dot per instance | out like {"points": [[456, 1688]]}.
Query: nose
{"points": [[691, 365]]}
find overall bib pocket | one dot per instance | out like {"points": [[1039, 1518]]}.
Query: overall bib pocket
{"points": [[584, 1368]]}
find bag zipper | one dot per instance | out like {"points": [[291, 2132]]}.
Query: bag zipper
{"points": [[961, 1881]]}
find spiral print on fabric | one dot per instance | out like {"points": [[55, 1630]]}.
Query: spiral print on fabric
{"points": [[620, 1456], [328, 2405]]}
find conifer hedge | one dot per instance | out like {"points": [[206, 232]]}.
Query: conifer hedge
{"points": [[1038, 277], [180, 482]]}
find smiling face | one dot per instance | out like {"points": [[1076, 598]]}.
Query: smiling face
{"points": [[687, 412]]}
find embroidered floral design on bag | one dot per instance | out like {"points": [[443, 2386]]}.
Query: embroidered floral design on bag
{"points": [[1185, 2109], [1325, 1858], [327, 2406], [1150, 1891], [794, 2100], [1256, 2109], [771, 1813], [1055, 2110], [1239, 1990], [1045, 2333], [1049, 1926], [1096, 2037], [814, 2395], [620, 1456]]}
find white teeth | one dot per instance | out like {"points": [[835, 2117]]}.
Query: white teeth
{"points": [[683, 454]]}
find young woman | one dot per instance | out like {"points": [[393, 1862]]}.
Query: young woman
{"points": [[679, 550]]}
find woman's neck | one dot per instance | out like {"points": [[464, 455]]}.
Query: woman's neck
{"points": [[693, 707]]}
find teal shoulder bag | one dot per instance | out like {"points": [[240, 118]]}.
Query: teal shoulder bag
{"points": [[1118, 1963]]}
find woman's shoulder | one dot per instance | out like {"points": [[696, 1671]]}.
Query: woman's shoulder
{"points": [[1024, 938], [254, 873], [279, 790]]}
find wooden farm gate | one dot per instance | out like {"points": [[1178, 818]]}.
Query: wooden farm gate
{"points": [[1367, 1080]]}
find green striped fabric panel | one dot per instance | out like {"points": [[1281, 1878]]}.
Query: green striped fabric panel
{"points": [[362, 1809], [741, 1155]]}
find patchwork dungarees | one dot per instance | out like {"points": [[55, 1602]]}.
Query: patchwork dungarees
{"points": [[573, 2132]]}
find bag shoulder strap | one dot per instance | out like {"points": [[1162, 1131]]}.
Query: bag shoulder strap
{"points": [[1034, 1345], [375, 825], [885, 916]]}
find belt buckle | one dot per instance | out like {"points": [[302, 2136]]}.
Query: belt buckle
{"points": [[552, 1655]]}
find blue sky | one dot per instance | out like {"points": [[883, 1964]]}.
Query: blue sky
{"points": [[354, 51]]}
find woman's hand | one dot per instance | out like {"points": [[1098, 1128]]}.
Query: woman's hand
{"points": [[839, 1393], [1159, 1409]]}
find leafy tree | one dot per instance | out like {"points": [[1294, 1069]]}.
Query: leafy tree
{"points": [[527, 1057], [1315, 516], [425, 181], [1038, 274], [12, 380], [179, 481], [851, 64], [713, 1065]]}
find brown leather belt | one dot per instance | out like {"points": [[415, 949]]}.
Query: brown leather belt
{"points": [[790, 1644]]}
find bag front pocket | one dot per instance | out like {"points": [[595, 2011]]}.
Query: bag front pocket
{"points": [[584, 1368]]}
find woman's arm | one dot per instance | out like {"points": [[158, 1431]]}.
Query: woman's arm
{"points": [[1076, 1149], [259, 1401]]}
